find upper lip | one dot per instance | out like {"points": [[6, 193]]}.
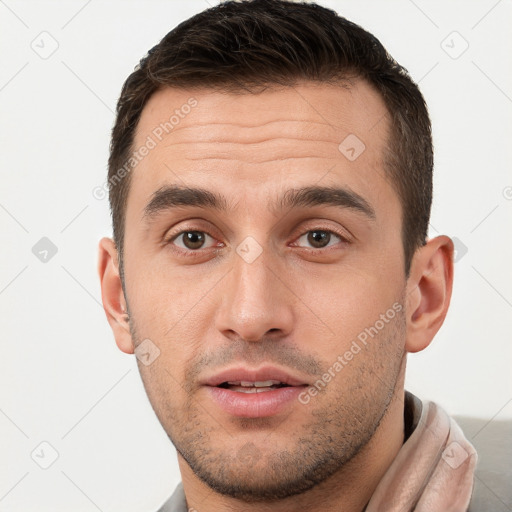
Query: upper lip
{"points": [[253, 375]]}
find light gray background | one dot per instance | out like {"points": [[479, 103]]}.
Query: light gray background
{"points": [[62, 379]]}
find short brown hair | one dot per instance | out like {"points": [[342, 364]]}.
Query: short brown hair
{"points": [[247, 45]]}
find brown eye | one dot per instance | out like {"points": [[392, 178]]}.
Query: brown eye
{"points": [[319, 238], [191, 240]]}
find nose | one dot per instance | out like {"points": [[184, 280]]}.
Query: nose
{"points": [[257, 301]]}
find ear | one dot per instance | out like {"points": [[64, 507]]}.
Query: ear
{"points": [[429, 290], [112, 295]]}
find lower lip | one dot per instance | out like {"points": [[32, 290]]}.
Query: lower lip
{"points": [[255, 405]]}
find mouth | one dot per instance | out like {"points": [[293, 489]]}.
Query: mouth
{"points": [[254, 393], [261, 386]]}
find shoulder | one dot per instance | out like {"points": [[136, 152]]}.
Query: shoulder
{"points": [[176, 503], [492, 440]]}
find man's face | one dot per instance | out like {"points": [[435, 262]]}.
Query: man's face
{"points": [[266, 290]]}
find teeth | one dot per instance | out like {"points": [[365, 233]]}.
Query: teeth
{"points": [[266, 383], [251, 389], [257, 384]]}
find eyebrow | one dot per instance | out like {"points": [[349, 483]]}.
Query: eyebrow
{"points": [[174, 196], [323, 196]]}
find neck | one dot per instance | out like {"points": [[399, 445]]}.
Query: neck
{"points": [[348, 490]]}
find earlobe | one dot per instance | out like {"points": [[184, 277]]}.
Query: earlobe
{"points": [[429, 290], [112, 294]]}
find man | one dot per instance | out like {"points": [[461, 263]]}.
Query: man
{"points": [[270, 183]]}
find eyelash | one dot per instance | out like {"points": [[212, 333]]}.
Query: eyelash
{"points": [[192, 253]]}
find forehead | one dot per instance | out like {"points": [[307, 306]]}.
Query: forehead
{"points": [[310, 108], [251, 144]]}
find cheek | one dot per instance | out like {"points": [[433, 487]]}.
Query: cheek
{"points": [[171, 307], [345, 303], [163, 297]]}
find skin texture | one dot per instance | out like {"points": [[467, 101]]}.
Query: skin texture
{"points": [[297, 306]]}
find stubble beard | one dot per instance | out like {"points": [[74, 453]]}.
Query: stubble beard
{"points": [[263, 472]]}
